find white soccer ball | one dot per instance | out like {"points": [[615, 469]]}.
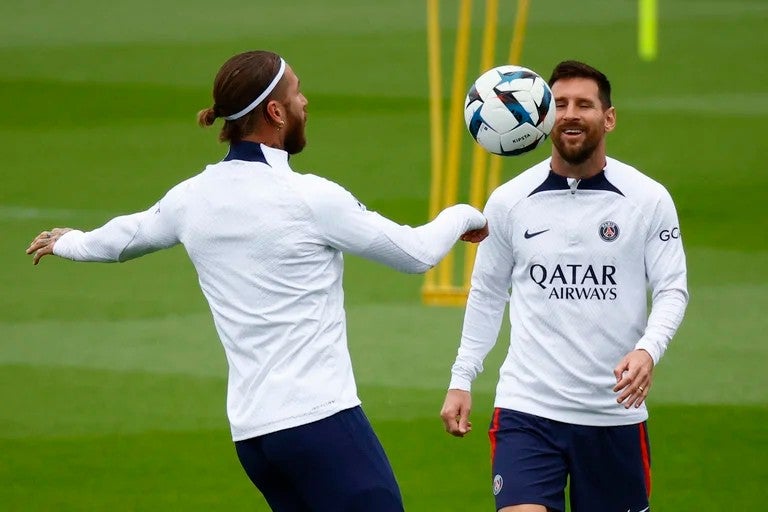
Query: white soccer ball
{"points": [[509, 110]]}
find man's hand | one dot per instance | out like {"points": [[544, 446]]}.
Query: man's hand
{"points": [[475, 235], [44, 242], [455, 413], [633, 378]]}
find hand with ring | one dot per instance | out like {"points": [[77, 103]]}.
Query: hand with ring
{"points": [[43, 243], [634, 374]]}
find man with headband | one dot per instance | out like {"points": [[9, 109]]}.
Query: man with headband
{"points": [[267, 245]]}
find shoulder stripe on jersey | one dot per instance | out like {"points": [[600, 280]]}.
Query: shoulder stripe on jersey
{"points": [[556, 182], [247, 151]]}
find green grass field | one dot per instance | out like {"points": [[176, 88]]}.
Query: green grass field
{"points": [[112, 379]]}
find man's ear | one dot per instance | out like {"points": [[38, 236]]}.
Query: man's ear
{"points": [[274, 113], [610, 119]]}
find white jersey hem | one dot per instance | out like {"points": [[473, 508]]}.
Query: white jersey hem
{"points": [[574, 416], [294, 421]]}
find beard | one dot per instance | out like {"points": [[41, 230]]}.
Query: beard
{"points": [[576, 154], [295, 138]]}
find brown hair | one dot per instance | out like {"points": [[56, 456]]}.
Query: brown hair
{"points": [[240, 81], [576, 69]]}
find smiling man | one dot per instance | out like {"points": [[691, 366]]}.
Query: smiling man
{"points": [[575, 243]]}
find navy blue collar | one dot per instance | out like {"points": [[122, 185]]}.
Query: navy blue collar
{"points": [[247, 151], [556, 182]]}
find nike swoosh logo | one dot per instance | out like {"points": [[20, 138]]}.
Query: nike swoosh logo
{"points": [[531, 235]]}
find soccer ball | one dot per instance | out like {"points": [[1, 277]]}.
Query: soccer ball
{"points": [[509, 110]]}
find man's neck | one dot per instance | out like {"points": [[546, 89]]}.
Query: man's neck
{"points": [[590, 167], [268, 138]]}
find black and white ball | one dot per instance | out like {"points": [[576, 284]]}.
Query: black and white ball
{"points": [[509, 110]]}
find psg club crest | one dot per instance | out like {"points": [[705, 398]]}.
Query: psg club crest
{"points": [[609, 231], [498, 483]]}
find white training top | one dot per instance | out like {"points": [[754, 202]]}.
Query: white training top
{"points": [[579, 256], [267, 246]]}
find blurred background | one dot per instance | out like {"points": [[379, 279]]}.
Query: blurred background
{"points": [[112, 379]]}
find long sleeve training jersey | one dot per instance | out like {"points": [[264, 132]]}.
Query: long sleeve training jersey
{"points": [[267, 245], [575, 260]]}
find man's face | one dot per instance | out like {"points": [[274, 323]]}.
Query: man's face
{"points": [[296, 115], [581, 121]]}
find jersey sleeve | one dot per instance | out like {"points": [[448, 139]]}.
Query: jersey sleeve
{"points": [[125, 237], [488, 297], [345, 224], [667, 277]]}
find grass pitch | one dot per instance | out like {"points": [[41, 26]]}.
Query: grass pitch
{"points": [[112, 377]]}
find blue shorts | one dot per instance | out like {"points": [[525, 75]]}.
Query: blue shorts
{"points": [[532, 459], [336, 465]]}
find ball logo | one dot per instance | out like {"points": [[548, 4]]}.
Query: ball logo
{"points": [[521, 139], [498, 483], [609, 231]]}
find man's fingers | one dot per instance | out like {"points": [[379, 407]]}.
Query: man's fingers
{"points": [[34, 245], [635, 394], [621, 369], [456, 423], [634, 375], [37, 244], [455, 412], [42, 244], [625, 378], [640, 393], [449, 415], [452, 419], [39, 254], [475, 235], [39, 241], [458, 426]]}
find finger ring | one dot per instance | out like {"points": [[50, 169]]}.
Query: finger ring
{"points": [[641, 388]]}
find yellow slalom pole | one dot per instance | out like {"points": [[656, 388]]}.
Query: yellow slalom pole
{"points": [[477, 191], [515, 52], [647, 29], [521, 22], [455, 124], [435, 116]]}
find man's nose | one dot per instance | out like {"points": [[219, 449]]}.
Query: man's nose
{"points": [[571, 111]]}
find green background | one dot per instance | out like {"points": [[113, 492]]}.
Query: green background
{"points": [[112, 380]]}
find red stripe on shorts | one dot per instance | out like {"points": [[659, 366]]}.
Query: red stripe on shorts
{"points": [[646, 455], [492, 432]]}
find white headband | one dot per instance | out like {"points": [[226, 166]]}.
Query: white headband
{"points": [[263, 95]]}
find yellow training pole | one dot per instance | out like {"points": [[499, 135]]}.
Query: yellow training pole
{"points": [[647, 29], [521, 22], [515, 52], [455, 125], [435, 116], [477, 192]]}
